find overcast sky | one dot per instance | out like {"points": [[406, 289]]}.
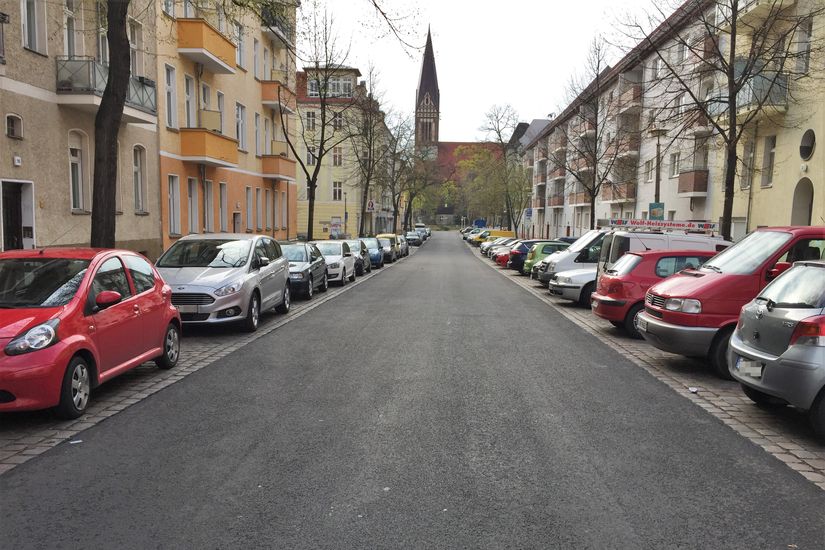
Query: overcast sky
{"points": [[520, 52]]}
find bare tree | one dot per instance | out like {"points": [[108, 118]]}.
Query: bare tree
{"points": [[727, 65]]}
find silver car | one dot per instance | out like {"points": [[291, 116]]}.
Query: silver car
{"points": [[777, 351], [226, 278]]}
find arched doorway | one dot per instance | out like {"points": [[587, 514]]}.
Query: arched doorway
{"points": [[803, 200]]}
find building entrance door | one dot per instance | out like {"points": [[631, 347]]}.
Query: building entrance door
{"points": [[12, 216], [236, 222]]}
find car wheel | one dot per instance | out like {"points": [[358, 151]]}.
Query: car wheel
{"points": [[761, 398], [359, 270], [352, 277], [283, 307], [816, 416], [630, 321], [253, 314], [369, 266], [171, 348], [75, 389], [584, 298], [617, 324], [718, 354], [310, 289], [324, 283], [343, 277]]}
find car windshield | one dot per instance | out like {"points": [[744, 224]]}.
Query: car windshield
{"points": [[384, 242], [747, 255], [295, 252], [412, 235], [219, 253], [39, 282], [329, 249], [583, 241], [802, 286], [355, 246], [372, 243], [624, 265]]}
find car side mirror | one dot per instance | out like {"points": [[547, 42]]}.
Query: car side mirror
{"points": [[107, 298], [263, 261], [347, 254], [777, 270]]}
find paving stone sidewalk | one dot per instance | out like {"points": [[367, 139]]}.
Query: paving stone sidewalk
{"points": [[781, 431]]}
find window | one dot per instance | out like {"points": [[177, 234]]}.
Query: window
{"points": [[803, 59], [337, 121], [223, 205], [311, 156], [70, 30], [650, 168], [189, 9], [667, 266], [189, 101], [259, 209], [192, 204], [275, 209], [206, 99], [102, 42], [681, 52], [143, 276], [135, 48], [312, 87], [208, 207], [675, 158], [267, 138], [249, 209], [256, 50], [346, 87], [310, 118], [679, 104], [171, 98], [4, 18], [267, 65], [258, 134], [77, 172], [334, 87], [240, 126], [174, 205], [283, 210], [337, 156], [220, 109], [337, 188], [110, 276], [268, 207], [169, 7], [746, 178], [221, 16], [14, 126], [655, 67], [34, 25], [139, 178], [768, 160], [239, 41]]}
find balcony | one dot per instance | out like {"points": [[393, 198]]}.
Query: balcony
{"points": [[202, 43], [698, 125], [584, 129], [581, 165], [276, 95], [558, 147], [539, 203], [619, 192], [557, 173], [766, 92], [277, 27], [208, 147], [556, 201], [81, 81], [541, 177], [578, 199], [753, 13], [630, 102], [278, 166], [693, 183], [629, 146]]}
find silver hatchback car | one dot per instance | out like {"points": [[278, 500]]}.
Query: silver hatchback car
{"points": [[226, 277], [777, 351]]}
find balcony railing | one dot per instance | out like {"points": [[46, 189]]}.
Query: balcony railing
{"points": [[557, 173], [631, 99], [693, 183], [277, 26], [84, 75], [541, 177], [277, 95], [768, 89], [539, 202], [555, 200], [619, 192], [202, 43], [578, 199]]}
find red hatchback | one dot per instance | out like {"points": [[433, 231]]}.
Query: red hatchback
{"points": [[620, 291], [72, 318]]}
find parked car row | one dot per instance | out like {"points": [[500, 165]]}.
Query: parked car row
{"points": [[73, 318], [754, 310]]}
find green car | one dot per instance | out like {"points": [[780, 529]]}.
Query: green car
{"points": [[539, 251]]}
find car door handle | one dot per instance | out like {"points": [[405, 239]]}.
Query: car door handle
{"points": [[136, 309]]}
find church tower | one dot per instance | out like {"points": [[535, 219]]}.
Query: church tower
{"points": [[427, 99]]}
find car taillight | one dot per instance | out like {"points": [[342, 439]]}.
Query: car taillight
{"points": [[809, 332], [614, 287], [514, 253]]}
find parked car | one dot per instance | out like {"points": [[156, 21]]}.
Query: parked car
{"points": [[421, 229], [568, 240], [575, 285], [393, 243], [620, 291], [518, 254], [485, 246], [73, 318], [307, 268], [388, 249], [538, 252], [340, 260], [226, 278], [777, 351], [429, 232], [694, 312], [414, 239], [403, 245], [495, 249], [362, 256], [375, 250], [469, 235], [501, 255], [479, 238], [581, 254]]}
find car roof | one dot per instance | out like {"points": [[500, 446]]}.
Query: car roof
{"points": [[232, 236], [797, 229], [74, 253], [673, 252], [811, 263]]}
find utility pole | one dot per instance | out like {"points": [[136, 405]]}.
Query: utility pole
{"points": [[346, 214]]}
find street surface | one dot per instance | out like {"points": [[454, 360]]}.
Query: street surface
{"points": [[433, 405]]}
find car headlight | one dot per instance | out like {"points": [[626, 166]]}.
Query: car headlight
{"points": [[231, 288], [334, 265], [563, 280], [36, 338], [551, 266], [685, 305], [297, 276]]}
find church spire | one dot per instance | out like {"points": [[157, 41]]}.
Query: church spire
{"points": [[427, 99]]}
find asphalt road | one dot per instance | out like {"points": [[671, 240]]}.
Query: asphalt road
{"points": [[437, 406]]}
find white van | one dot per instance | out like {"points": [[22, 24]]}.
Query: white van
{"points": [[582, 253]]}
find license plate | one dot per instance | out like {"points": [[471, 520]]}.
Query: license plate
{"points": [[752, 369], [641, 324], [188, 309]]}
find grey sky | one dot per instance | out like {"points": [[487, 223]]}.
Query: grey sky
{"points": [[520, 52]]}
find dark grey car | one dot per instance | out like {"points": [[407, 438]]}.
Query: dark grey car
{"points": [[777, 351], [362, 256], [307, 267]]}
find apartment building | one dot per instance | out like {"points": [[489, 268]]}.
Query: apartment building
{"points": [[53, 70], [227, 100]]}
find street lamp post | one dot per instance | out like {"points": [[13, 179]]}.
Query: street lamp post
{"points": [[658, 133], [345, 214]]}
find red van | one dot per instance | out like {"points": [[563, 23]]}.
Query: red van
{"points": [[694, 312], [620, 290]]}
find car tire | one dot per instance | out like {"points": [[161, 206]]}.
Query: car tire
{"points": [[352, 277], [286, 301], [630, 321], [171, 348], [617, 324], [343, 277], [816, 416], [369, 267], [324, 283], [310, 291], [253, 313], [761, 398], [584, 298], [75, 390], [718, 354]]}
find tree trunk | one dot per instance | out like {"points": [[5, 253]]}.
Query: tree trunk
{"points": [[311, 210], [730, 181], [592, 212], [396, 208], [107, 127], [363, 221]]}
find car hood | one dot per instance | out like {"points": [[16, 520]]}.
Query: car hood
{"points": [[583, 275], [211, 277], [15, 321], [332, 259], [708, 285], [297, 267]]}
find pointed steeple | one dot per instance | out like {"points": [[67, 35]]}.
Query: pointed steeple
{"points": [[428, 80], [427, 99]]}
